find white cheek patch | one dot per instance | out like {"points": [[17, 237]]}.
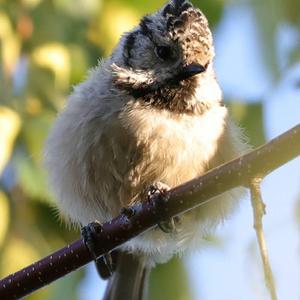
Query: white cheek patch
{"points": [[129, 78]]}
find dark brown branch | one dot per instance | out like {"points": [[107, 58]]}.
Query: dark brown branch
{"points": [[257, 163]]}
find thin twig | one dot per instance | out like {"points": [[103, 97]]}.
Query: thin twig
{"points": [[239, 172], [259, 210]]}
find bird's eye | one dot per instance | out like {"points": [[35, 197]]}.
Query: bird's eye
{"points": [[163, 52]]}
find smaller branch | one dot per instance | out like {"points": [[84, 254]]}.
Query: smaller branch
{"points": [[259, 210]]}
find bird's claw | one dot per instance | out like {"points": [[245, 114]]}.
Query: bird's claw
{"points": [[106, 263], [160, 190], [157, 188]]}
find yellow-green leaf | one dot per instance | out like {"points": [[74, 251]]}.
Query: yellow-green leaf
{"points": [[4, 216], [114, 19], [9, 127], [10, 44], [55, 57]]}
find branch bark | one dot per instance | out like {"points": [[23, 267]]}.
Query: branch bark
{"points": [[239, 172]]}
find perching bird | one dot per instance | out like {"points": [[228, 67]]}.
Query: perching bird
{"points": [[151, 112]]}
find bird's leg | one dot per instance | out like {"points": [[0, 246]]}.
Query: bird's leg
{"points": [[159, 190], [106, 263]]}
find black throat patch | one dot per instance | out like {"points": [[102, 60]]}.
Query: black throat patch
{"points": [[178, 98]]}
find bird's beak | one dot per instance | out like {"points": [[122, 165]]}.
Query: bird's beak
{"points": [[190, 70]]}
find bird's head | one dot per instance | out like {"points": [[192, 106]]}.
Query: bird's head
{"points": [[163, 59]]}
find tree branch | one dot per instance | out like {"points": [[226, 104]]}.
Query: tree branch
{"points": [[259, 210], [239, 172]]}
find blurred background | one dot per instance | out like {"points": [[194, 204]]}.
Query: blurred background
{"points": [[47, 46]]}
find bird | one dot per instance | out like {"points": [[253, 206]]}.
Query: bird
{"points": [[150, 114]]}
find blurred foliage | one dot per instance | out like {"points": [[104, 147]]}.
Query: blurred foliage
{"points": [[271, 15], [4, 216], [169, 281], [46, 46], [250, 118], [9, 128]]}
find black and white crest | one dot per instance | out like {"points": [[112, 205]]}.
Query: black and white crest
{"points": [[189, 27]]}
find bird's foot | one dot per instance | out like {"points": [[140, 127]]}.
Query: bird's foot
{"points": [[159, 191], [105, 264], [168, 226]]}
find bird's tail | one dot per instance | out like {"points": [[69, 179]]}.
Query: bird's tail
{"points": [[130, 279]]}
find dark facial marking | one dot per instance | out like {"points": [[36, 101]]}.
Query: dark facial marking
{"points": [[175, 98], [167, 10], [129, 43], [163, 52], [166, 92], [172, 97]]}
